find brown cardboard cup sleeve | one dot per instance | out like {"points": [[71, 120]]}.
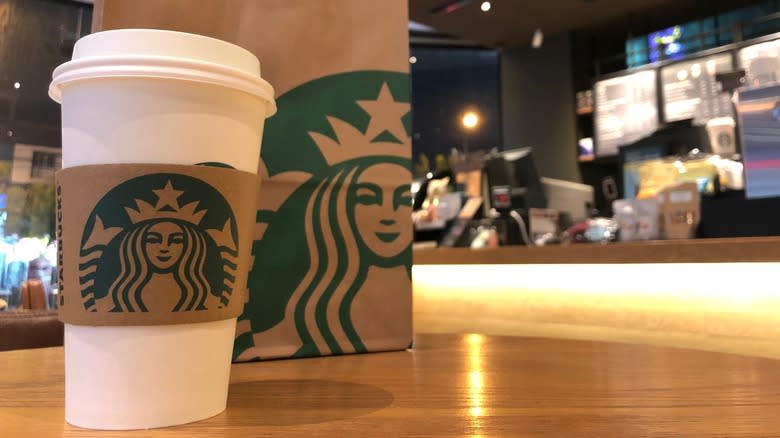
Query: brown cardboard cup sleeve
{"points": [[153, 244]]}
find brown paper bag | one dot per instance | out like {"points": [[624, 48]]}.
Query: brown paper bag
{"points": [[332, 255], [680, 207]]}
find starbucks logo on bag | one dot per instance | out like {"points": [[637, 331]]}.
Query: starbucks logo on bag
{"points": [[163, 242], [333, 235]]}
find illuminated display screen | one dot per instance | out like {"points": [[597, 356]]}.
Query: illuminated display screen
{"points": [[759, 112], [690, 90], [677, 41], [668, 39], [626, 111], [761, 63]]}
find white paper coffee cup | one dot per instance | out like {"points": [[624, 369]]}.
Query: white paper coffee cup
{"points": [[152, 96]]}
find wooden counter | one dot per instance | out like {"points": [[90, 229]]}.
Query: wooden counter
{"points": [[451, 385], [748, 249]]}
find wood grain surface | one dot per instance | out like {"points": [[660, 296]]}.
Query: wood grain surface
{"points": [[452, 385], [747, 249]]}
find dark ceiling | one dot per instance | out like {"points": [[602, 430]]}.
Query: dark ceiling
{"points": [[512, 22]]}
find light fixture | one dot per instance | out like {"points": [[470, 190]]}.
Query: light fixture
{"points": [[17, 85], [485, 6], [412, 60], [537, 39], [470, 120]]}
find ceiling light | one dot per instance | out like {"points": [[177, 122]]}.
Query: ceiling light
{"points": [[485, 6], [537, 39], [470, 120], [17, 85], [412, 60]]}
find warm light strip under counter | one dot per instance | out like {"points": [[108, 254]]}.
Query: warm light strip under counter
{"points": [[729, 307]]}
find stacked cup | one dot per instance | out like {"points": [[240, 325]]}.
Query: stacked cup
{"points": [[161, 135]]}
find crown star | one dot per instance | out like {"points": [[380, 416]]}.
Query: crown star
{"points": [[386, 116], [167, 196], [166, 207]]}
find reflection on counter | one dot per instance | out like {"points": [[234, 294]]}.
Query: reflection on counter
{"points": [[690, 305]]}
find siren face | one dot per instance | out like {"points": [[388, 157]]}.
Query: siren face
{"points": [[382, 210], [164, 244]]}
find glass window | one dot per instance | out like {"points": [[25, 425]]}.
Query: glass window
{"points": [[455, 104], [36, 36]]}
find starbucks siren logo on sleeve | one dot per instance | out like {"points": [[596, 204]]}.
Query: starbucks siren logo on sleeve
{"points": [[334, 220], [155, 233]]}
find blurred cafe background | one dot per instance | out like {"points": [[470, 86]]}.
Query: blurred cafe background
{"points": [[601, 121], [585, 125]]}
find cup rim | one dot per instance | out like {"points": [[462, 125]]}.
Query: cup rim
{"points": [[160, 67], [163, 54]]}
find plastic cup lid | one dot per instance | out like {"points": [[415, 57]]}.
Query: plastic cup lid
{"points": [[152, 53]]}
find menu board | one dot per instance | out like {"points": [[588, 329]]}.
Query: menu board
{"points": [[761, 63], [690, 90], [626, 111]]}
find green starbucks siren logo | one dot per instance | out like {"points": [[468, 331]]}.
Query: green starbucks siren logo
{"points": [[334, 220], [163, 242]]}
